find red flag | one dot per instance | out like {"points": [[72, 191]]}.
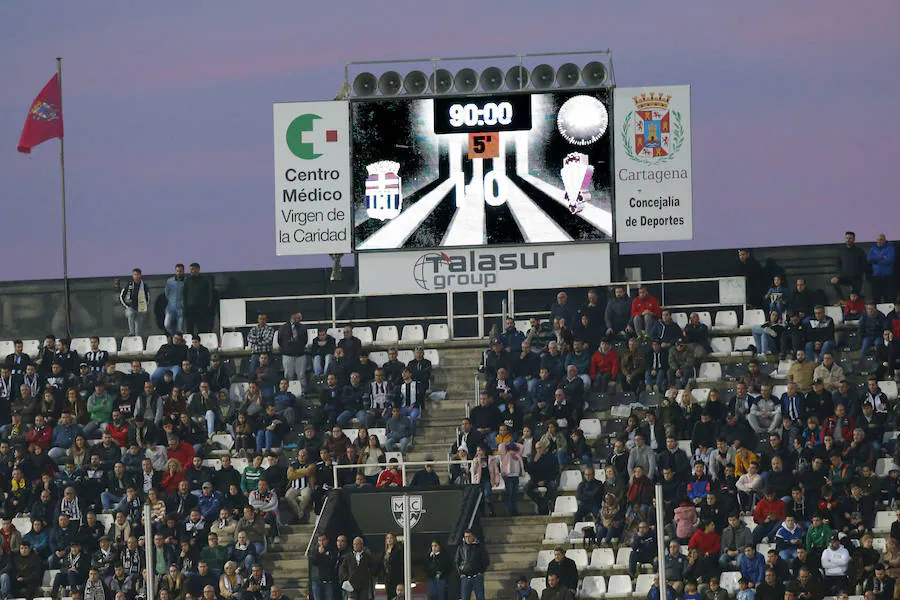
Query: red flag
{"points": [[45, 119]]}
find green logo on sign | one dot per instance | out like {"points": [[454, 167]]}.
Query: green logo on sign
{"points": [[306, 124]]}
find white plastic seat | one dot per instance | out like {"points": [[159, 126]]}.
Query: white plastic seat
{"points": [[149, 365], [124, 367], [336, 332], [405, 356], [602, 558], [778, 390], [889, 388], [709, 372], [412, 334], [380, 433], [81, 345], [379, 357], [700, 395], [295, 387], [753, 317], [884, 465], [888, 436], [569, 480], [592, 428], [387, 334], [885, 307], [110, 344], [580, 556], [311, 334], [685, 445], [364, 334], [395, 455], [433, 355], [7, 347], [22, 524], [543, 560], [883, 521], [726, 319], [729, 581], [210, 341], [132, 344], [438, 332], [523, 325], [105, 520], [749, 522], [705, 318], [556, 533], [783, 367], [155, 342], [49, 576], [741, 343], [237, 390], [31, 347], [538, 584], [622, 557], [619, 586], [352, 434], [680, 318], [763, 548], [240, 464], [565, 506], [224, 439], [880, 544], [721, 346], [643, 584], [593, 586], [232, 340], [835, 313]]}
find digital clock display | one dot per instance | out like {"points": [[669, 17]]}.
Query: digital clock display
{"points": [[510, 112]]}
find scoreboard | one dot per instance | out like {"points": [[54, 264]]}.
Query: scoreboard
{"points": [[451, 171]]}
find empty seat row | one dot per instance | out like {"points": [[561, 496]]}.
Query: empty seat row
{"points": [[386, 334]]}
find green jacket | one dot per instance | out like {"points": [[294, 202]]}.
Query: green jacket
{"points": [[214, 557], [680, 360], [817, 537], [100, 407], [250, 479]]}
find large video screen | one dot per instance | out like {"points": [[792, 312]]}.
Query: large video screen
{"points": [[482, 170]]}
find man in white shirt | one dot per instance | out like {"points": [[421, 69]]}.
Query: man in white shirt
{"points": [[765, 415], [835, 560]]}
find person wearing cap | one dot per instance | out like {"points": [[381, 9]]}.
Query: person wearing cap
{"points": [[209, 502], [835, 561], [73, 569]]}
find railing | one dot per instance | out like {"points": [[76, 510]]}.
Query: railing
{"points": [[233, 311], [335, 467]]}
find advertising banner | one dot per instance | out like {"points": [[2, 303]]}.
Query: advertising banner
{"points": [[482, 268], [312, 178], [652, 132]]}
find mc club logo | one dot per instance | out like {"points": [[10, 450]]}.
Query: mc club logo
{"points": [[652, 133], [306, 136]]}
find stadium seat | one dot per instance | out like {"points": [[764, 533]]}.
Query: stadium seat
{"points": [[709, 372], [311, 334], [593, 586], [387, 334], [49, 576], [569, 480], [705, 318], [602, 559], [700, 395], [885, 307], [538, 584], [565, 506], [237, 390], [405, 356], [22, 524], [412, 334], [883, 521], [106, 520], [380, 433], [729, 581], [880, 544], [398, 455], [155, 342], [132, 344], [364, 334], [753, 317], [556, 533], [835, 313], [643, 584], [576, 536], [686, 446], [109, 344], [742, 343], [721, 346], [240, 464], [783, 367], [123, 367], [726, 319], [379, 357], [888, 436], [432, 355], [889, 388], [210, 340], [543, 560], [622, 557], [778, 390], [591, 428], [295, 387], [579, 555], [748, 521], [233, 340], [884, 466], [619, 586], [438, 332], [523, 325], [763, 548], [149, 365], [7, 347], [81, 345], [336, 332], [680, 318], [351, 433], [224, 439], [31, 348]]}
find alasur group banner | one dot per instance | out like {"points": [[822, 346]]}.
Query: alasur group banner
{"points": [[652, 133]]}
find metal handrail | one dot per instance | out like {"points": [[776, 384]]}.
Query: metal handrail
{"points": [[402, 464]]}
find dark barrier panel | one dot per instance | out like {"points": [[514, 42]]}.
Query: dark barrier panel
{"points": [[377, 512]]}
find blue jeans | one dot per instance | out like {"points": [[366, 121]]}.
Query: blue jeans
{"points": [[524, 384], [412, 412], [401, 444], [867, 342], [788, 554], [762, 340], [268, 438], [473, 584], [322, 591], [562, 457], [174, 320], [512, 494], [606, 534], [320, 366], [659, 380], [437, 589], [827, 347], [345, 417], [109, 500], [157, 376]]}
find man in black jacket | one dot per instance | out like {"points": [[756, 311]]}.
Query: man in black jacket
{"points": [[169, 358], [563, 567], [29, 571], [198, 299], [292, 337], [544, 471], [471, 561], [757, 280], [322, 569], [852, 265]]}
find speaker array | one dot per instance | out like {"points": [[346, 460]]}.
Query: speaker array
{"points": [[491, 79]]}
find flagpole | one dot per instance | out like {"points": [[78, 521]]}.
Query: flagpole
{"points": [[65, 244]]}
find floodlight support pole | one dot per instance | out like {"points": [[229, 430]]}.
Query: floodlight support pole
{"points": [[660, 542]]}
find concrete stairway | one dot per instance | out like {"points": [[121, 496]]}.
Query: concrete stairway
{"points": [[287, 561], [512, 545]]}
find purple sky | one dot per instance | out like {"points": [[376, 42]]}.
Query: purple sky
{"points": [[169, 119]]}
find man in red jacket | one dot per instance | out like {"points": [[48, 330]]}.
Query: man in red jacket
{"points": [[644, 313], [768, 515], [839, 426], [180, 451], [605, 367]]}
